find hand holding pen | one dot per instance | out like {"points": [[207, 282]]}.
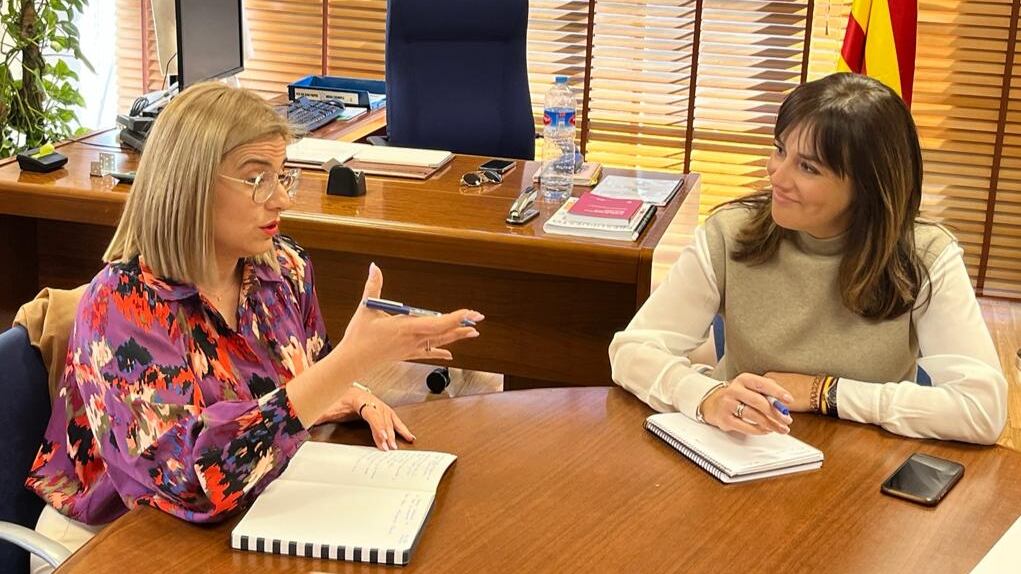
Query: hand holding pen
{"points": [[386, 331], [748, 404]]}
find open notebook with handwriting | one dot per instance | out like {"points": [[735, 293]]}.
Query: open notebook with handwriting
{"points": [[733, 457], [345, 502]]}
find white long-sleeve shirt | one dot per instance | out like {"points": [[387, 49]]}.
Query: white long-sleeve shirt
{"points": [[967, 399]]}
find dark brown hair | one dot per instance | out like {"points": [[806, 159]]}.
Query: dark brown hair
{"points": [[861, 130]]}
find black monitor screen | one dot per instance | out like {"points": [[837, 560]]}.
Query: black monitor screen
{"points": [[208, 40]]}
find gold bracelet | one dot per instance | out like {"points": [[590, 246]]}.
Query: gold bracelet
{"points": [[813, 395], [698, 409]]}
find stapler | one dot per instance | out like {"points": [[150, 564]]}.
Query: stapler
{"points": [[523, 209]]}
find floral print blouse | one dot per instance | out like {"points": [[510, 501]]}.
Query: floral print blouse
{"points": [[163, 404]]}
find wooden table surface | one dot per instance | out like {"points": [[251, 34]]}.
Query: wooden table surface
{"points": [[567, 480], [552, 302]]}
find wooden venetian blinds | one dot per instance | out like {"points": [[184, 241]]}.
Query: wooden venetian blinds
{"points": [[694, 85]]}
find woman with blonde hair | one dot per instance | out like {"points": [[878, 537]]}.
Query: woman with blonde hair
{"points": [[199, 358], [832, 291]]}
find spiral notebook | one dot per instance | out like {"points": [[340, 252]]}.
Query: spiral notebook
{"points": [[733, 457], [345, 502]]}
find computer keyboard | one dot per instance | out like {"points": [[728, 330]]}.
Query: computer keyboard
{"points": [[307, 115]]}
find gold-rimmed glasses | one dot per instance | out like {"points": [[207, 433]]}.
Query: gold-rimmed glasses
{"points": [[264, 184]]}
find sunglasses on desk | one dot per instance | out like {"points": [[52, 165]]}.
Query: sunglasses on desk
{"points": [[481, 177]]}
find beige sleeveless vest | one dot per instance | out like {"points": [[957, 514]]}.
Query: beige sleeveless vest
{"points": [[787, 314]]}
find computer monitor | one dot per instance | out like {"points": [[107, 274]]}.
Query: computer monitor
{"points": [[209, 41], [164, 21]]}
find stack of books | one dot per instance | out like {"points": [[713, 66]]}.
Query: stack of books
{"points": [[594, 216]]}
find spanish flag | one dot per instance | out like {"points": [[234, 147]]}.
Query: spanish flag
{"points": [[880, 42]]}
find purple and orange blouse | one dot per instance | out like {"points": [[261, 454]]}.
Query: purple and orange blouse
{"points": [[163, 404]]}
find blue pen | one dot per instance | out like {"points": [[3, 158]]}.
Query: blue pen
{"points": [[778, 405], [398, 308]]}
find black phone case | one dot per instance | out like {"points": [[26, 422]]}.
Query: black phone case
{"points": [[885, 488]]}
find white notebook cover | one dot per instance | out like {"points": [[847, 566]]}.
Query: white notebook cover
{"points": [[734, 456], [315, 151], [403, 156]]}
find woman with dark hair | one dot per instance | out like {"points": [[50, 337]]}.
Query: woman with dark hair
{"points": [[832, 289]]}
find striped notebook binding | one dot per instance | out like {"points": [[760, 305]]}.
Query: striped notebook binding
{"points": [[704, 463], [389, 557], [345, 502]]}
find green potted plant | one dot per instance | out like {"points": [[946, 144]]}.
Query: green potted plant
{"points": [[38, 94]]}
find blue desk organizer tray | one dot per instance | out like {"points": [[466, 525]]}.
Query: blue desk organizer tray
{"points": [[352, 91]]}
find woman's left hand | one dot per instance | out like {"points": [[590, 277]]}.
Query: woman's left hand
{"points": [[799, 386], [382, 419]]}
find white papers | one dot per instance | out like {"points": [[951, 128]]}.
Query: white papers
{"points": [[403, 156], [346, 498], [735, 456], [351, 113], [1005, 555], [655, 191], [317, 151]]}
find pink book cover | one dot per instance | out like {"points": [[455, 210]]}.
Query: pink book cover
{"points": [[590, 205]]}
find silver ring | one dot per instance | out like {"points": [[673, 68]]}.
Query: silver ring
{"points": [[740, 410]]}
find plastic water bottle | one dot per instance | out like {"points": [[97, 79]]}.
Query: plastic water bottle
{"points": [[558, 142]]}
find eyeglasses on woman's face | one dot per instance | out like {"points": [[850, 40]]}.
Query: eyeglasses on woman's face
{"points": [[265, 184]]}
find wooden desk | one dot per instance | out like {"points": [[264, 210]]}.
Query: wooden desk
{"points": [[552, 303], [567, 480]]}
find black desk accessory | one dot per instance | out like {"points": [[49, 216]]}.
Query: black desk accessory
{"points": [[523, 209], [39, 161], [343, 180]]}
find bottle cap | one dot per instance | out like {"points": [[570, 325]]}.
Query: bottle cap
{"points": [[561, 79]]}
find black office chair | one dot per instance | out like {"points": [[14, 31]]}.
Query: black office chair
{"points": [[457, 77], [457, 80], [24, 413]]}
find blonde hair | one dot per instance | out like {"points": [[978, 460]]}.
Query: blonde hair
{"points": [[168, 216]]}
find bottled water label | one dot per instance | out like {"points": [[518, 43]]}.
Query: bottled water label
{"points": [[558, 117]]}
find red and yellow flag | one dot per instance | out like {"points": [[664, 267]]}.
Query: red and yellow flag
{"points": [[880, 42]]}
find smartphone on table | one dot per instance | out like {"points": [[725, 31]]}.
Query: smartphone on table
{"points": [[924, 479], [498, 165]]}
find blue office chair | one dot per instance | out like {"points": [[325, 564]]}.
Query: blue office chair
{"points": [[922, 378], [24, 412], [457, 77]]}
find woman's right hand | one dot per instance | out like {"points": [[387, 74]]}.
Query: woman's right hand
{"points": [[758, 416], [373, 338]]}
